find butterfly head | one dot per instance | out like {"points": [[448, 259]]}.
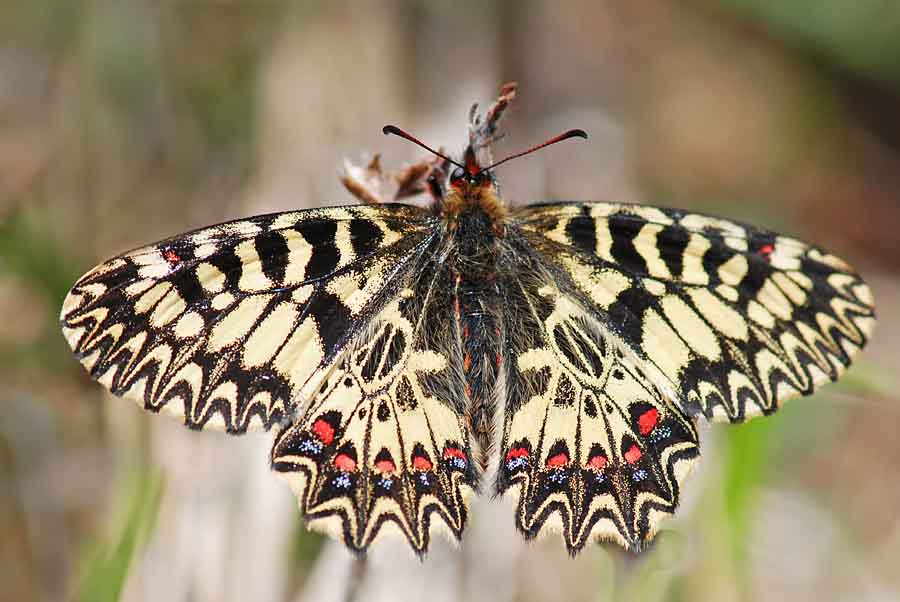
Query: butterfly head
{"points": [[469, 181], [470, 177]]}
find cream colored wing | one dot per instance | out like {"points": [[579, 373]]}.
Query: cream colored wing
{"points": [[737, 318], [595, 444], [233, 325], [626, 323], [384, 445]]}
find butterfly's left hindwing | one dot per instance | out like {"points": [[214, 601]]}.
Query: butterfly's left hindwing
{"points": [[384, 446], [232, 325]]}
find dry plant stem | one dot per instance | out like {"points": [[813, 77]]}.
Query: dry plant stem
{"points": [[413, 179], [368, 183], [484, 130], [365, 183]]}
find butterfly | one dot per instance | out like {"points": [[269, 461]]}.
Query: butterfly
{"points": [[407, 357]]}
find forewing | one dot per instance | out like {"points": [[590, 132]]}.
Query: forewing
{"points": [[384, 445], [234, 325], [594, 443], [737, 318]]}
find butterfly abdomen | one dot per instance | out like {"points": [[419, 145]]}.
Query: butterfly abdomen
{"points": [[476, 309]]}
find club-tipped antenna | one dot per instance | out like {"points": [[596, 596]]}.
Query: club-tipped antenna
{"points": [[393, 129], [554, 140]]}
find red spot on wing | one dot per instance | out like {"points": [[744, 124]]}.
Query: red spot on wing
{"points": [[560, 459], [516, 452], [597, 462], [345, 462], [455, 452], [324, 431], [385, 466], [421, 463], [171, 256], [633, 454], [648, 420], [766, 251]]}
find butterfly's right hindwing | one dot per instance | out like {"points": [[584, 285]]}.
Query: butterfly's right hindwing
{"points": [[232, 325]]}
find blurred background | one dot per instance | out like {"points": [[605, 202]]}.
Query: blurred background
{"points": [[125, 122]]}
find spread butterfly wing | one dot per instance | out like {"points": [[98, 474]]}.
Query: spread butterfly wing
{"points": [[737, 318], [594, 443], [384, 445], [233, 325]]}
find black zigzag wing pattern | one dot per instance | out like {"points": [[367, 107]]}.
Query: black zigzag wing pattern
{"points": [[231, 326], [737, 318], [594, 444], [384, 446]]}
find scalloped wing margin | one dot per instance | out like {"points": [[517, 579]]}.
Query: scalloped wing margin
{"points": [[231, 326]]}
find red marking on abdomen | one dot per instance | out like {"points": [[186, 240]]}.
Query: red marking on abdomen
{"points": [[385, 466], [647, 421], [345, 462], [324, 431], [516, 452], [421, 463], [633, 454], [597, 462], [560, 459]]}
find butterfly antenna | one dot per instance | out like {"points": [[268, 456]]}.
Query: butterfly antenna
{"points": [[554, 140], [393, 129]]}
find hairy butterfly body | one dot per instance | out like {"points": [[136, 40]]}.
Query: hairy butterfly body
{"points": [[403, 353]]}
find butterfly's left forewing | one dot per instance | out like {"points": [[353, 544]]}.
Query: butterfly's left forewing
{"points": [[234, 325]]}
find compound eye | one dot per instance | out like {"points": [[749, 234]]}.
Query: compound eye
{"points": [[458, 174]]}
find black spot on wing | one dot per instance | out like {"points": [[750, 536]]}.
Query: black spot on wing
{"points": [[325, 254], [188, 285], [672, 241], [273, 254], [333, 320], [716, 255], [365, 236], [627, 312], [537, 381], [624, 228], [228, 262], [757, 273], [582, 233]]}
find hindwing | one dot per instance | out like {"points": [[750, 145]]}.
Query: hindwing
{"points": [[232, 325], [384, 445], [595, 444]]}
